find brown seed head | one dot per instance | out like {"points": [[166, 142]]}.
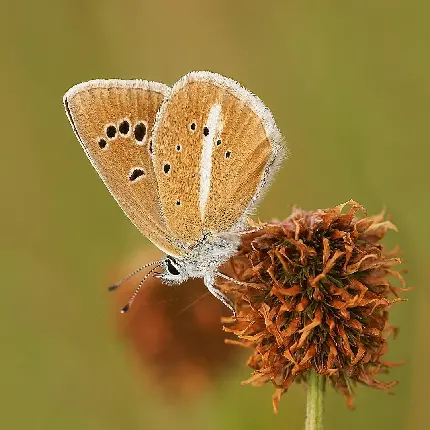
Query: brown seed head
{"points": [[316, 296]]}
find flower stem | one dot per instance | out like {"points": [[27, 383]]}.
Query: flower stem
{"points": [[315, 401]]}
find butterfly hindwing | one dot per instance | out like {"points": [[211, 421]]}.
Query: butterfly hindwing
{"points": [[113, 120], [216, 148]]}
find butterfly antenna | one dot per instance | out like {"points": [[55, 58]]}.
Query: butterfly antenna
{"points": [[115, 286], [130, 302]]}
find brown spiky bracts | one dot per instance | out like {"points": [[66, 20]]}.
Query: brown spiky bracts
{"points": [[317, 293]]}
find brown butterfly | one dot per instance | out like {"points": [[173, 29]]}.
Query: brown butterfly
{"points": [[186, 164]]}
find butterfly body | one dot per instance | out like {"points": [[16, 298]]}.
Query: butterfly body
{"points": [[203, 260], [186, 164]]}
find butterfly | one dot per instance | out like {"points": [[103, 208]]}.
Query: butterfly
{"points": [[186, 164]]}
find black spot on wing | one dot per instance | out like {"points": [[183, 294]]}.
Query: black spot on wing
{"points": [[140, 131], [124, 127], [136, 173], [110, 131]]}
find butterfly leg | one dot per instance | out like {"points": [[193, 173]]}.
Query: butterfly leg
{"points": [[210, 285], [254, 230]]}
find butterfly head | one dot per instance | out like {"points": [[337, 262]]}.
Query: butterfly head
{"points": [[203, 259], [174, 270]]}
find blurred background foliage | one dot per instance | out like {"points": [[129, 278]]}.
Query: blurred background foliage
{"points": [[349, 85]]}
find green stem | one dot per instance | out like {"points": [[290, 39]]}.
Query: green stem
{"points": [[315, 401]]}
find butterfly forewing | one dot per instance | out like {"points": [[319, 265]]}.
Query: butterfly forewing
{"points": [[216, 147], [113, 120]]}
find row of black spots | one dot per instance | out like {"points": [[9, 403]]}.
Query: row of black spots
{"points": [[124, 130], [193, 127], [206, 133], [124, 127], [218, 142], [136, 174]]}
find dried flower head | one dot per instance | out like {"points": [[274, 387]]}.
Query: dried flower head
{"points": [[174, 333], [316, 296]]}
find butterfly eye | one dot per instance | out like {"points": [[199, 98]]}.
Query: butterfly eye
{"points": [[166, 168], [178, 148], [178, 203], [111, 131], [228, 154], [171, 268], [205, 131], [218, 142], [193, 126], [102, 143]]}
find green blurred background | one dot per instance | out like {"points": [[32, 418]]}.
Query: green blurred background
{"points": [[349, 85]]}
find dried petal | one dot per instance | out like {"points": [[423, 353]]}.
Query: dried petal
{"points": [[319, 297]]}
